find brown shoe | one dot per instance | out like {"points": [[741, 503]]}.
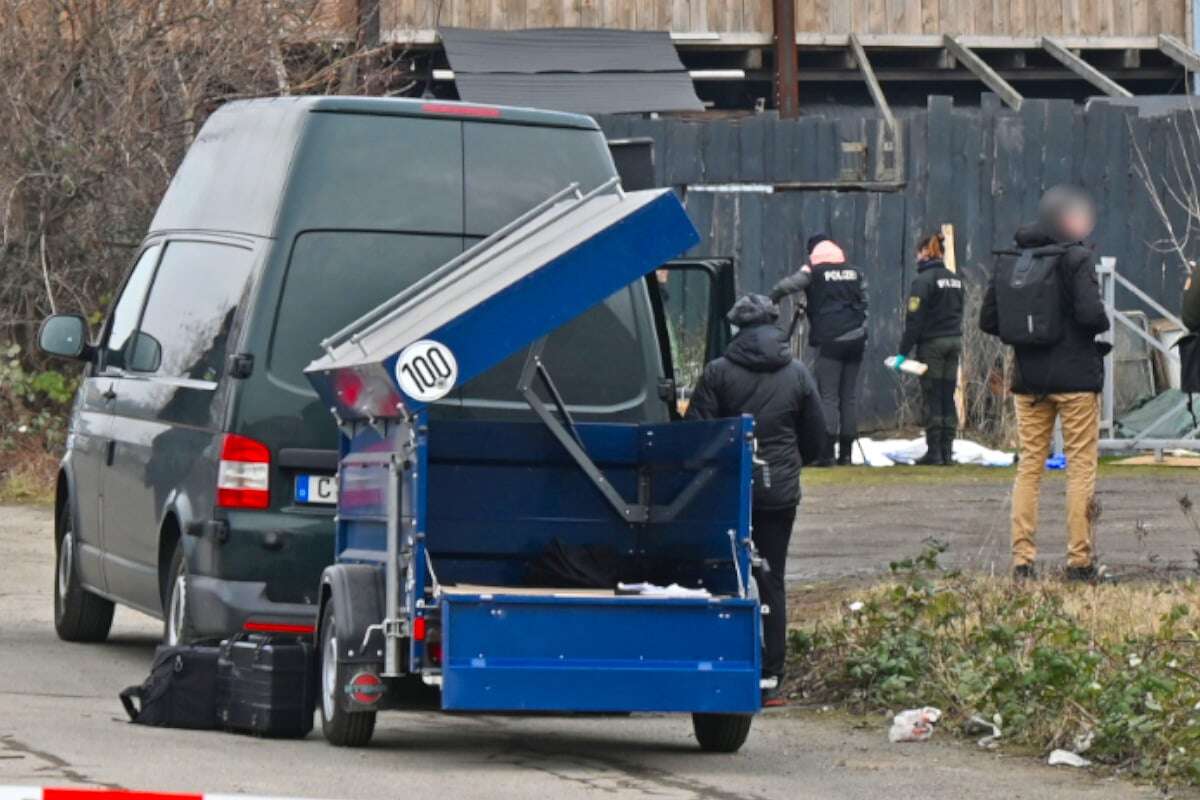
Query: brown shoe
{"points": [[1024, 572]]}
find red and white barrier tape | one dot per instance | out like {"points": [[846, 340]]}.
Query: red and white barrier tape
{"points": [[74, 793]]}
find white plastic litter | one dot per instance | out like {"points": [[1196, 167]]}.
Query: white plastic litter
{"points": [[653, 590], [991, 730], [890, 452], [914, 725], [1068, 759]]}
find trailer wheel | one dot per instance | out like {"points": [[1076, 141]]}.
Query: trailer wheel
{"points": [[341, 727], [721, 733]]}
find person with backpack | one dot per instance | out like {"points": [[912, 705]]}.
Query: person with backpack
{"points": [[1191, 303], [933, 325], [837, 314], [1044, 300], [758, 376]]}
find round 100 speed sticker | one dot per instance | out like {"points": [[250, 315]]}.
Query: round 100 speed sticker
{"points": [[426, 370]]}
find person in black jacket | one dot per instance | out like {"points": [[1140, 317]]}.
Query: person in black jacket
{"points": [[1062, 379], [837, 315], [1191, 303], [758, 376], [933, 325]]}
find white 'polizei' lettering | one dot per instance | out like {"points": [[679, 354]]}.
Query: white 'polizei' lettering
{"points": [[841, 274], [949, 283]]}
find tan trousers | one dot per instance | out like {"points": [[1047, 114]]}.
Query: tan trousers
{"points": [[1080, 412]]}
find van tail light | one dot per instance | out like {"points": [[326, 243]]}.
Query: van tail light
{"points": [[243, 476]]}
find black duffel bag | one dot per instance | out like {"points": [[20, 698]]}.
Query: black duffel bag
{"points": [[181, 690]]}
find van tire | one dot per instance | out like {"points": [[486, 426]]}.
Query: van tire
{"points": [[79, 615], [721, 733], [340, 727], [177, 626]]}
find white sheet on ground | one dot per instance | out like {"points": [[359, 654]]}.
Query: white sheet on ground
{"points": [[890, 452]]}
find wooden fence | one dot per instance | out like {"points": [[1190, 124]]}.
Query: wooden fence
{"points": [[901, 17], [981, 169]]}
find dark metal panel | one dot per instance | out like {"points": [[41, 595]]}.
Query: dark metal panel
{"points": [[1033, 116], [1010, 162], [781, 138], [753, 142], [939, 193], [806, 156], [720, 151], [559, 50], [699, 207], [583, 93], [1060, 118], [681, 162], [918, 178]]}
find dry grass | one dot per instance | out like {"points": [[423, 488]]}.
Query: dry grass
{"points": [[1117, 665], [27, 474]]}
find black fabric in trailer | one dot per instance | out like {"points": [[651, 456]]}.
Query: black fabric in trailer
{"points": [[583, 70]]}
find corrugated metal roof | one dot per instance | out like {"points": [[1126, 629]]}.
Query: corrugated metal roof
{"points": [[560, 50], [582, 70], [585, 93]]}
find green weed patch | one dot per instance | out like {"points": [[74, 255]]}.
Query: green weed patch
{"points": [[1113, 670]]}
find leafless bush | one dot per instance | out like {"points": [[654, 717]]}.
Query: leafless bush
{"points": [[1171, 179], [986, 377], [99, 100]]}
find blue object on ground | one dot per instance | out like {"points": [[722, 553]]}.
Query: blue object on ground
{"points": [[1056, 461]]}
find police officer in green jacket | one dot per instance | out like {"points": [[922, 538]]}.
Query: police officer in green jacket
{"points": [[933, 324]]}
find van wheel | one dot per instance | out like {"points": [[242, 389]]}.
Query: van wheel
{"points": [[721, 733], [79, 615], [177, 628], [341, 727]]}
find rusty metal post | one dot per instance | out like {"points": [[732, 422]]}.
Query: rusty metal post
{"points": [[787, 77]]}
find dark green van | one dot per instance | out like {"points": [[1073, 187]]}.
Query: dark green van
{"points": [[197, 484]]}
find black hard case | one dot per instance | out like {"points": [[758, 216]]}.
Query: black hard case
{"points": [[265, 686]]}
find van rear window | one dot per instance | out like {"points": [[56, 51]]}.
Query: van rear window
{"points": [[511, 168], [334, 277]]}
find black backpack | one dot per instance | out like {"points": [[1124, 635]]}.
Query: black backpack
{"points": [[1029, 297], [180, 692]]}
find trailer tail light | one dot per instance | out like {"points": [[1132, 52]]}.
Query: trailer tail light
{"points": [[435, 653], [418, 629], [461, 110], [243, 476]]}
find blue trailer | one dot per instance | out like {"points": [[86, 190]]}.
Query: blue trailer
{"points": [[439, 521]]}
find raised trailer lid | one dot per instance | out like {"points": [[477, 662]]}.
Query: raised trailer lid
{"points": [[525, 281]]}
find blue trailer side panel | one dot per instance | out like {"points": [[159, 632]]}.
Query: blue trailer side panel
{"points": [[529, 653]]}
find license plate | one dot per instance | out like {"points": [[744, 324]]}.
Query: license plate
{"points": [[317, 489]]}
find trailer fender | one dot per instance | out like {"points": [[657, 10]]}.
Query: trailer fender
{"points": [[357, 594]]}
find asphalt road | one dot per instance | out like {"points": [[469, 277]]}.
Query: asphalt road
{"points": [[61, 723]]}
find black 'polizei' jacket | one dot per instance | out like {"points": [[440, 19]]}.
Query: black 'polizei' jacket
{"points": [[758, 376], [1075, 363], [935, 305]]}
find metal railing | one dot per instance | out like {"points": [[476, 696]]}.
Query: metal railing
{"points": [[1109, 280]]}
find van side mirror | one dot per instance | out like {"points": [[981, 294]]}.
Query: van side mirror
{"points": [[65, 335], [143, 353]]}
